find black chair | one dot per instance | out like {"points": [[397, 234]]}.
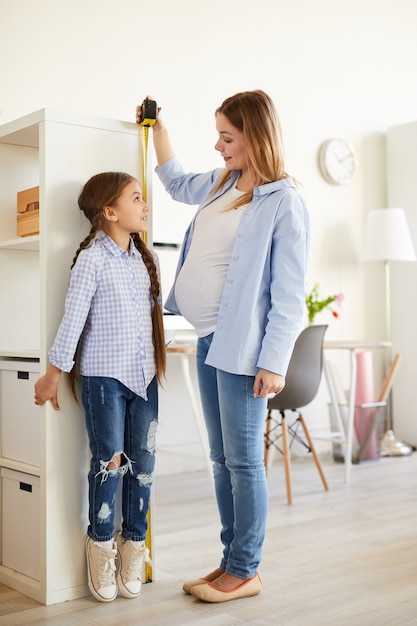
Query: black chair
{"points": [[301, 386]]}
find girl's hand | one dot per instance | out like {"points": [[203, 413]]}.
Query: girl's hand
{"points": [[46, 387], [266, 383]]}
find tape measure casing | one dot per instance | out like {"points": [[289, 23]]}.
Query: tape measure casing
{"points": [[149, 112]]}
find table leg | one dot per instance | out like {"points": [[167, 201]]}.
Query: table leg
{"points": [[338, 416], [351, 416]]}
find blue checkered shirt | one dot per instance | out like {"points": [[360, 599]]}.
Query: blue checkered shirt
{"points": [[108, 309]]}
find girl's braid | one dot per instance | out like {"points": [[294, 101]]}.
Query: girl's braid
{"points": [[95, 227], [157, 318]]}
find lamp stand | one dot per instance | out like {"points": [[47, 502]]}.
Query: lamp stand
{"points": [[390, 445]]}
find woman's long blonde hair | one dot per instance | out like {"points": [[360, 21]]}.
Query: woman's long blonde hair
{"points": [[253, 113], [104, 190]]}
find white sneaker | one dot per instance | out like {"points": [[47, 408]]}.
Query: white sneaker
{"points": [[131, 560], [101, 568]]}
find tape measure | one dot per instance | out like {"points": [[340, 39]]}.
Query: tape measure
{"points": [[148, 543], [149, 114]]}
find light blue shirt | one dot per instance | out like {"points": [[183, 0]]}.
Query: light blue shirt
{"points": [[263, 299], [108, 308]]}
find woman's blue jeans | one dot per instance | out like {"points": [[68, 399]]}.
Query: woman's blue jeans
{"points": [[235, 424], [119, 422]]}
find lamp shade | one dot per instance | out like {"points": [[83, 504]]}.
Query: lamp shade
{"points": [[387, 237]]}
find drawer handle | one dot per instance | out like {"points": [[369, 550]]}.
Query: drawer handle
{"points": [[26, 487], [23, 375]]}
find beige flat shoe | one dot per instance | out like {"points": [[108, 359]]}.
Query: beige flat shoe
{"points": [[187, 586], [208, 593]]}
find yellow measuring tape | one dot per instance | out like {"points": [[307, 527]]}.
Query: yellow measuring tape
{"points": [[144, 172], [149, 113], [148, 543]]}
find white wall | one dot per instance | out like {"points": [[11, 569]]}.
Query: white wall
{"points": [[332, 67]]}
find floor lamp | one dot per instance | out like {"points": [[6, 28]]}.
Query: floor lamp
{"points": [[387, 238]]}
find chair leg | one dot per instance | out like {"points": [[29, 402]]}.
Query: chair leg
{"points": [[313, 452], [287, 460]]}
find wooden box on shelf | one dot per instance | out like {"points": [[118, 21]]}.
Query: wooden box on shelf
{"points": [[28, 212]]}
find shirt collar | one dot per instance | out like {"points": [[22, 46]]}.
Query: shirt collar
{"points": [[284, 183], [277, 185], [112, 247]]}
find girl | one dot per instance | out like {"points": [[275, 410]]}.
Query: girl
{"points": [[113, 314], [240, 282]]}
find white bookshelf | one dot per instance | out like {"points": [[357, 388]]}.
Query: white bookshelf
{"points": [[58, 151]]}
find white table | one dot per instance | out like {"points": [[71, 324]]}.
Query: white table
{"points": [[353, 346], [186, 351]]}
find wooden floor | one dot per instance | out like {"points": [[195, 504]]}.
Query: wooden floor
{"points": [[348, 556]]}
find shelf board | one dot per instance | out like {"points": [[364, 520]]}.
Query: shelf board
{"points": [[21, 243], [25, 130], [18, 466], [20, 354]]}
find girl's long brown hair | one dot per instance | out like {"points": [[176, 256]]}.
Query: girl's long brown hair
{"points": [[253, 113], [104, 190]]}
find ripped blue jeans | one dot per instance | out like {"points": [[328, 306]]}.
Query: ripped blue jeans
{"points": [[119, 422]]}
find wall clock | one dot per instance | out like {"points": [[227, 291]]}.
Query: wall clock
{"points": [[337, 161]]}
